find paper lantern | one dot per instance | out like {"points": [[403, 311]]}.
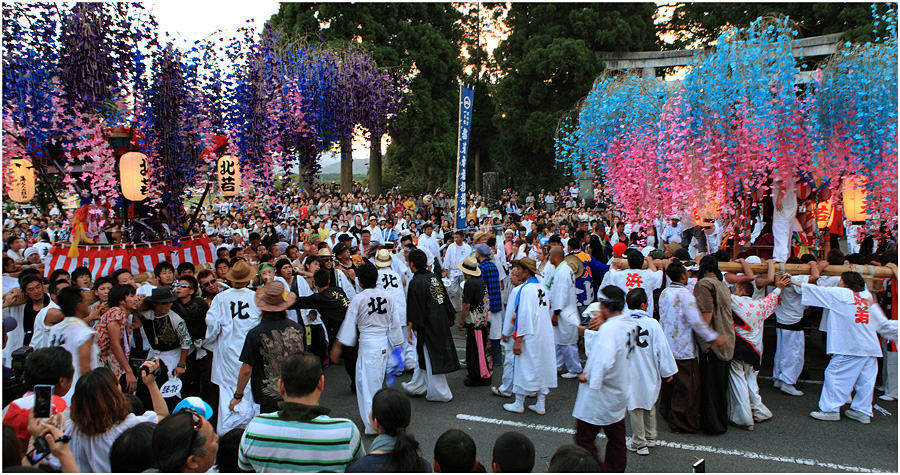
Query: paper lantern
{"points": [[21, 180], [133, 170], [824, 211], [229, 175], [855, 198]]}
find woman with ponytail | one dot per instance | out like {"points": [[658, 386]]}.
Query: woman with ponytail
{"points": [[394, 450]]}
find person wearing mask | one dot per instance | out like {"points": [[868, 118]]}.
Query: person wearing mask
{"points": [[101, 412], [372, 315], [300, 435], [394, 450], [185, 442], [430, 315], [261, 360], [232, 314]]}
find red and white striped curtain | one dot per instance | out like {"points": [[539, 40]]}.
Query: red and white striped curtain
{"points": [[105, 259]]}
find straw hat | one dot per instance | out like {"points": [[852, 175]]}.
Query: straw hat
{"points": [[325, 252], [477, 236], [576, 264], [527, 263], [272, 297], [383, 258], [470, 266], [242, 271]]}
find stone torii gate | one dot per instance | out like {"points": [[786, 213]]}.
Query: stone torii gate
{"points": [[648, 61]]}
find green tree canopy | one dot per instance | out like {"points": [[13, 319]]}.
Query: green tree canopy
{"points": [[698, 24], [419, 40], [549, 64]]}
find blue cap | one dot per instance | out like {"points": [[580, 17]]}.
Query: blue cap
{"points": [[197, 404]]}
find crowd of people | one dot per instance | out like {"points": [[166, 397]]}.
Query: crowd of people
{"points": [[305, 279]]}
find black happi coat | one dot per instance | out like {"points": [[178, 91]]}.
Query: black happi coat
{"points": [[428, 307]]}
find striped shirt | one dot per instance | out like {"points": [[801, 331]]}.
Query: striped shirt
{"points": [[299, 438]]}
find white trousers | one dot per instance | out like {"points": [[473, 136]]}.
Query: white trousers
{"points": [[781, 231], [789, 353], [567, 355], [434, 385], [371, 365], [889, 370], [506, 385], [410, 359], [496, 319], [244, 411], [744, 403], [845, 374], [455, 291]]}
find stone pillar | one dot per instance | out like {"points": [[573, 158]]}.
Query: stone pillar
{"points": [[491, 183]]}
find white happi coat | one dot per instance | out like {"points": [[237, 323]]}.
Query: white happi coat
{"points": [[231, 315], [535, 368], [373, 324], [635, 278], [561, 283], [853, 322], [344, 282], [71, 333], [651, 362], [16, 338], [603, 399], [391, 282]]}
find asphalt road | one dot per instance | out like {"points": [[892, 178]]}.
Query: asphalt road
{"points": [[790, 442]]}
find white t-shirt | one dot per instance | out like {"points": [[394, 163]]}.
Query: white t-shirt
{"points": [[790, 309], [70, 334], [92, 452]]}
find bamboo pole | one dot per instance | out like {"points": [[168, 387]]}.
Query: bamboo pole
{"points": [[793, 269]]}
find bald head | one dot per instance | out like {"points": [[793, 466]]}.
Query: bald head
{"points": [[556, 255]]}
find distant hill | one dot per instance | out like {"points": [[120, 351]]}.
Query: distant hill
{"points": [[360, 169]]}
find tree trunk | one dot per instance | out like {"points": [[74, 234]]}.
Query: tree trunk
{"points": [[347, 164], [478, 171], [375, 165]]}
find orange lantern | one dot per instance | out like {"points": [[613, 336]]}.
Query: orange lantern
{"points": [[229, 175], [824, 210], [21, 180], [133, 170], [855, 198]]}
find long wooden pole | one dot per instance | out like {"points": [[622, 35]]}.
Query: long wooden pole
{"points": [[793, 269]]}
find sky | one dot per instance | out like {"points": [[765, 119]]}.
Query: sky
{"points": [[192, 20]]}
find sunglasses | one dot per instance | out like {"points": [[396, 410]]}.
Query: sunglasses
{"points": [[209, 283], [183, 286], [196, 425]]}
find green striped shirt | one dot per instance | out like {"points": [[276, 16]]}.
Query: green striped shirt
{"points": [[299, 438]]}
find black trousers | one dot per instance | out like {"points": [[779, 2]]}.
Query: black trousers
{"points": [[713, 394], [318, 343], [475, 358], [349, 353], [679, 401]]}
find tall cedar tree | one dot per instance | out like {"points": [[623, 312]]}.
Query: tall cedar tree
{"points": [[698, 24], [419, 40], [549, 64]]}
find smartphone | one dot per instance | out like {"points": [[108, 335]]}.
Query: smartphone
{"points": [[700, 466], [43, 401], [41, 450]]}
